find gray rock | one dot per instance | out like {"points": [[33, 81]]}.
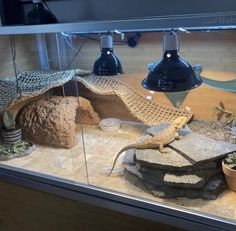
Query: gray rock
{"points": [[185, 131], [211, 190], [194, 179], [191, 169], [155, 130], [129, 157], [171, 161], [200, 149], [184, 181]]}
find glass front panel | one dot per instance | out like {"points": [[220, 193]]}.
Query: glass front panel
{"points": [[40, 124], [169, 146], [189, 174]]}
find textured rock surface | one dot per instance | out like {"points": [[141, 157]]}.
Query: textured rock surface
{"points": [[180, 173], [210, 191], [89, 116], [171, 161], [129, 157], [217, 130], [155, 130], [52, 121], [189, 179], [200, 149]]}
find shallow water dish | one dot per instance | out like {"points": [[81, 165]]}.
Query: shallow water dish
{"points": [[110, 124]]}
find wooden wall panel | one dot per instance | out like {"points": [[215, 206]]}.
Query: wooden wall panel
{"points": [[23, 209]]}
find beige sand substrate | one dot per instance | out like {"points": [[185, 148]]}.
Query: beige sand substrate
{"points": [[100, 148]]}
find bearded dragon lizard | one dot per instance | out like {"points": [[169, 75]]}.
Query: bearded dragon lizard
{"points": [[163, 138]]}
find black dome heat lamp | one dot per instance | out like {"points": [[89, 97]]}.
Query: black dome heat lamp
{"points": [[107, 64], [172, 75], [40, 15]]}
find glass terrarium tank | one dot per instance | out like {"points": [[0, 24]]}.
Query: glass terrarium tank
{"points": [[151, 118]]}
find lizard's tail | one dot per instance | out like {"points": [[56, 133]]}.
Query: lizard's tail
{"points": [[118, 155]]}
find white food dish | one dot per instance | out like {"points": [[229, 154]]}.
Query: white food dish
{"points": [[110, 124]]}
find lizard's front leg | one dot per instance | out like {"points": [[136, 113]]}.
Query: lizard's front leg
{"points": [[162, 149], [178, 136]]}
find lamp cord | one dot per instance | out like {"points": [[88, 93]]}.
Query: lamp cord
{"points": [[49, 10], [13, 55], [44, 2]]}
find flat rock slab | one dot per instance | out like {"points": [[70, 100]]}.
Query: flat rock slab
{"points": [[211, 190], [188, 180], [194, 180], [155, 130], [198, 148], [129, 157], [171, 161]]}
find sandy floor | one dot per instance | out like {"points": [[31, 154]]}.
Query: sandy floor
{"points": [[100, 149]]}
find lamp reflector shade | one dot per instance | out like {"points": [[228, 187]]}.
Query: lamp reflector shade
{"points": [[107, 64], [40, 15], [172, 73]]}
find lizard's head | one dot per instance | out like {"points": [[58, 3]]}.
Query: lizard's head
{"points": [[180, 122]]}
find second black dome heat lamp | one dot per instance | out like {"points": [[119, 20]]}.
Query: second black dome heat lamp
{"points": [[172, 75]]}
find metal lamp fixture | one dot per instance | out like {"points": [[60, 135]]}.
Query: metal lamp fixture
{"points": [[107, 64], [172, 73], [40, 15]]}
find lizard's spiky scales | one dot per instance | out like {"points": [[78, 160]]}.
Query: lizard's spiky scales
{"points": [[165, 137]]}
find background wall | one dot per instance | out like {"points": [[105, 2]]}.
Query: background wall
{"points": [[26, 55], [216, 51]]}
